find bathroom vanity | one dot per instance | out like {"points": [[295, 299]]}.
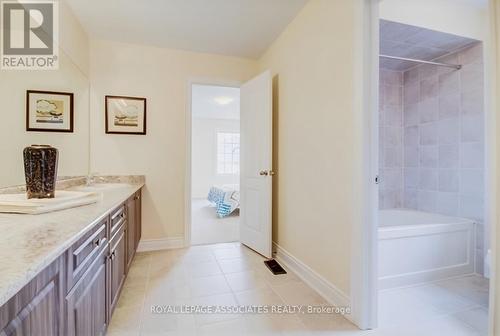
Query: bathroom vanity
{"points": [[61, 273]]}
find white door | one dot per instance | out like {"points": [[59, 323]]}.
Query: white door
{"points": [[256, 164]]}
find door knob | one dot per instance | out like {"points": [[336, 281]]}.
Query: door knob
{"points": [[263, 173]]}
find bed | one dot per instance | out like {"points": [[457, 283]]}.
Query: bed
{"points": [[226, 199]]}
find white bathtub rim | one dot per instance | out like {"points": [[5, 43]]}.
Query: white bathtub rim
{"points": [[403, 231], [403, 226], [453, 219]]}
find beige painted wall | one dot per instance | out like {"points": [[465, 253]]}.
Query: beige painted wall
{"points": [[73, 147], [70, 77], [451, 16], [313, 67], [73, 38], [161, 76]]}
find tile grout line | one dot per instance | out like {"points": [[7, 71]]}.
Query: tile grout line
{"points": [[269, 287]]}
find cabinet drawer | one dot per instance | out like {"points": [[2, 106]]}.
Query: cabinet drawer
{"points": [[81, 255], [120, 230], [86, 307], [118, 217], [117, 266]]}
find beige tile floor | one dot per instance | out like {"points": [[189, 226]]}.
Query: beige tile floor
{"points": [[232, 275], [452, 307]]}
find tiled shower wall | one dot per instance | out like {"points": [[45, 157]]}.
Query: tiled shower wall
{"points": [[443, 139], [431, 146], [391, 139]]}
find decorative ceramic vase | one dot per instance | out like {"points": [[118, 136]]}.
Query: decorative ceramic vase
{"points": [[40, 169]]}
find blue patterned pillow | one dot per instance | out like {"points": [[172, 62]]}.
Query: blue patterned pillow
{"points": [[228, 204], [216, 195]]}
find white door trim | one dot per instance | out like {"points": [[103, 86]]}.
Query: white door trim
{"points": [[189, 123], [490, 54], [364, 287]]}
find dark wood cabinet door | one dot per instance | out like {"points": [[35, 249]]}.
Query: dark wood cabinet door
{"points": [[117, 261], [86, 302], [131, 229], [37, 309], [138, 218]]}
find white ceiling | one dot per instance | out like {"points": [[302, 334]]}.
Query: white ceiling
{"points": [[207, 99], [243, 28], [398, 39]]}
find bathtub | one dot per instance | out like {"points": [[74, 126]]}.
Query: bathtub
{"points": [[416, 247]]}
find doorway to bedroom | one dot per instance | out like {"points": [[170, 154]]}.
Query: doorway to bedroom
{"points": [[215, 164]]}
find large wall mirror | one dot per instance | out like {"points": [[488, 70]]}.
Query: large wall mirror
{"points": [[14, 135]]}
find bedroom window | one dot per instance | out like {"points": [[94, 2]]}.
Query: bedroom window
{"points": [[228, 153]]}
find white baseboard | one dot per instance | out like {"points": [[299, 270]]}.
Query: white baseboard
{"points": [[327, 290], [147, 245]]}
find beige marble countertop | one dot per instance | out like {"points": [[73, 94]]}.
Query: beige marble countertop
{"points": [[29, 243]]}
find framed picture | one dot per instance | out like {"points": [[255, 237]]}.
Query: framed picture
{"points": [[125, 115], [48, 111]]}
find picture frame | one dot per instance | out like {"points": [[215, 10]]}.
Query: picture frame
{"points": [[49, 111], [125, 115]]}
